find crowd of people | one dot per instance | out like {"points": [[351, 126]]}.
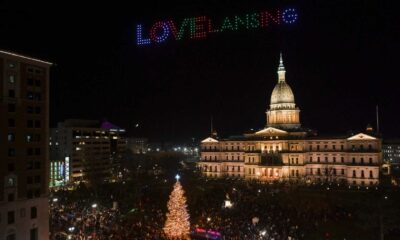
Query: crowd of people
{"points": [[260, 212], [256, 211], [81, 219]]}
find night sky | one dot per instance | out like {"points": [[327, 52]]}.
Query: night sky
{"points": [[341, 59]]}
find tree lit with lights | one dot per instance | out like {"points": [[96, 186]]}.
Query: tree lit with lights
{"points": [[177, 225]]}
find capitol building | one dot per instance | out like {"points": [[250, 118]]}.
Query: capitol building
{"points": [[284, 150]]}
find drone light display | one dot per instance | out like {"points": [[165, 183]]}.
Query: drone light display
{"points": [[202, 26]]}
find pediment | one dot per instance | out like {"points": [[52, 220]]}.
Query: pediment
{"points": [[361, 136], [209, 140], [270, 131]]}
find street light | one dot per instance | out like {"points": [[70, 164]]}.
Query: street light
{"points": [[94, 205]]}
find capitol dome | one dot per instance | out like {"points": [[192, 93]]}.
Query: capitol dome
{"points": [[283, 112], [282, 93]]}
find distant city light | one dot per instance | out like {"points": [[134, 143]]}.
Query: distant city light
{"points": [[228, 204], [94, 205]]}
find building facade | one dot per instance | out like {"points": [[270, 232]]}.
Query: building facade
{"points": [[138, 145], [24, 121], [391, 158], [391, 151], [283, 150], [81, 150]]}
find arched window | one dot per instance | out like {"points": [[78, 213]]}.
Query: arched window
{"points": [[354, 173], [362, 173], [371, 175], [11, 235]]}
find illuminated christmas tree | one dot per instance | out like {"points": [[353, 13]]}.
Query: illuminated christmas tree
{"points": [[177, 225]]}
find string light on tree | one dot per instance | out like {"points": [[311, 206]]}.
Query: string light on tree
{"points": [[177, 225]]}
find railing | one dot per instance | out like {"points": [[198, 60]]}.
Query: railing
{"points": [[343, 150], [222, 150], [253, 151]]}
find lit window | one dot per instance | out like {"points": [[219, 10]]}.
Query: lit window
{"points": [[11, 137], [11, 79], [29, 138]]}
